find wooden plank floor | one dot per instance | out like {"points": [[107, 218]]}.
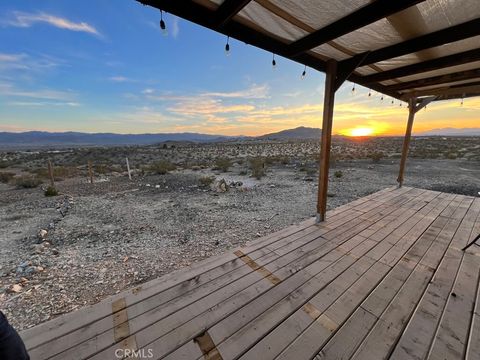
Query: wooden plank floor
{"points": [[383, 277]]}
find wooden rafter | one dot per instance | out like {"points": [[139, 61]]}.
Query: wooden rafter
{"points": [[227, 10], [437, 80], [203, 16], [354, 21], [425, 66], [460, 91], [455, 33], [222, 19]]}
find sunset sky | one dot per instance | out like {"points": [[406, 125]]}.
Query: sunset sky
{"points": [[98, 67]]}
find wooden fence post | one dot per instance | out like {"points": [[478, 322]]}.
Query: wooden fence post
{"points": [[128, 169], [90, 171], [50, 174]]}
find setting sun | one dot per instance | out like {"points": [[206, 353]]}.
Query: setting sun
{"points": [[360, 131]]}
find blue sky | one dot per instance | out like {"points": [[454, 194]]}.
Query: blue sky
{"points": [[104, 66]]}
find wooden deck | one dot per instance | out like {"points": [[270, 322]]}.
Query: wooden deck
{"points": [[383, 277]]}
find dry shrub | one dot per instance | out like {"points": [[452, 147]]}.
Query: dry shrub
{"points": [[257, 165], [27, 182], [6, 177]]}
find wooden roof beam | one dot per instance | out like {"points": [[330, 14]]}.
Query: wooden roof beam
{"points": [[362, 17], [436, 80], [456, 92], [430, 65], [196, 13], [448, 35], [227, 10]]}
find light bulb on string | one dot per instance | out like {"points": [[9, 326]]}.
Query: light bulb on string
{"points": [[461, 103], [304, 73], [162, 24], [393, 102], [381, 99], [369, 93], [274, 63], [353, 89], [227, 47]]}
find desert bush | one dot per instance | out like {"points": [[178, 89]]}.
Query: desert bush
{"points": [[207, 180], [311, 171], [27, 182], [257, 165], [4, 164], [376, 156], [279, 159], [338, 174], [334, 157], [101, 169], [51, 191], [59, 172], [162, 167], [6, 177], [222, 164], [243, 172], [451, 156]]}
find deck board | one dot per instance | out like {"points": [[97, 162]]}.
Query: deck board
{"points": [[373, 281]]}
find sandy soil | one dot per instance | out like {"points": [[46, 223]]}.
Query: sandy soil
{"points": [[116, 233]]}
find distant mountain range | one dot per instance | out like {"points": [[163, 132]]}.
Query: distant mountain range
{"points": [[41, 138], [301, 132], [450, 132]]}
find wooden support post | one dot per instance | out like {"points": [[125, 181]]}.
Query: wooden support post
{"points": [[90, 171], [413, 108], [50, 174], [328, 104], [406, 140], [128, 169]]}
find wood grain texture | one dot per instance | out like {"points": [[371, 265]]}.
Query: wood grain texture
{"points": [[382, 277]]}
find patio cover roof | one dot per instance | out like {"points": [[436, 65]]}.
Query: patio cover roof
{"points": [[401, 48]]}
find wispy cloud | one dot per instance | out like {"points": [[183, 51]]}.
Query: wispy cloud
{"points": [[43, 103], [7, 89], [254, 92], [25, 62], [25, 20], [175, 27], [119, 79]]}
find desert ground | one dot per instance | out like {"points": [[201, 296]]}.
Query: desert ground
{"points": [[184, 203]]}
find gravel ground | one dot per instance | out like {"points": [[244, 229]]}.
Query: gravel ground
{"points": [[115, 234]]}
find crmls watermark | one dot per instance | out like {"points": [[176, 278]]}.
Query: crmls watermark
{"points": [[134, 354]]}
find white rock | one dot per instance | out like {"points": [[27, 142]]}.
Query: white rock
{"points": [[16, 288]]}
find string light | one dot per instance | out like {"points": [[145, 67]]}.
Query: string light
{"points": [[227, 47], [400, 104], [353, 89], [162, 24], [393, 101], [369, 93], [274, 63], [381, 99], [461, 104], [304, 73]]}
